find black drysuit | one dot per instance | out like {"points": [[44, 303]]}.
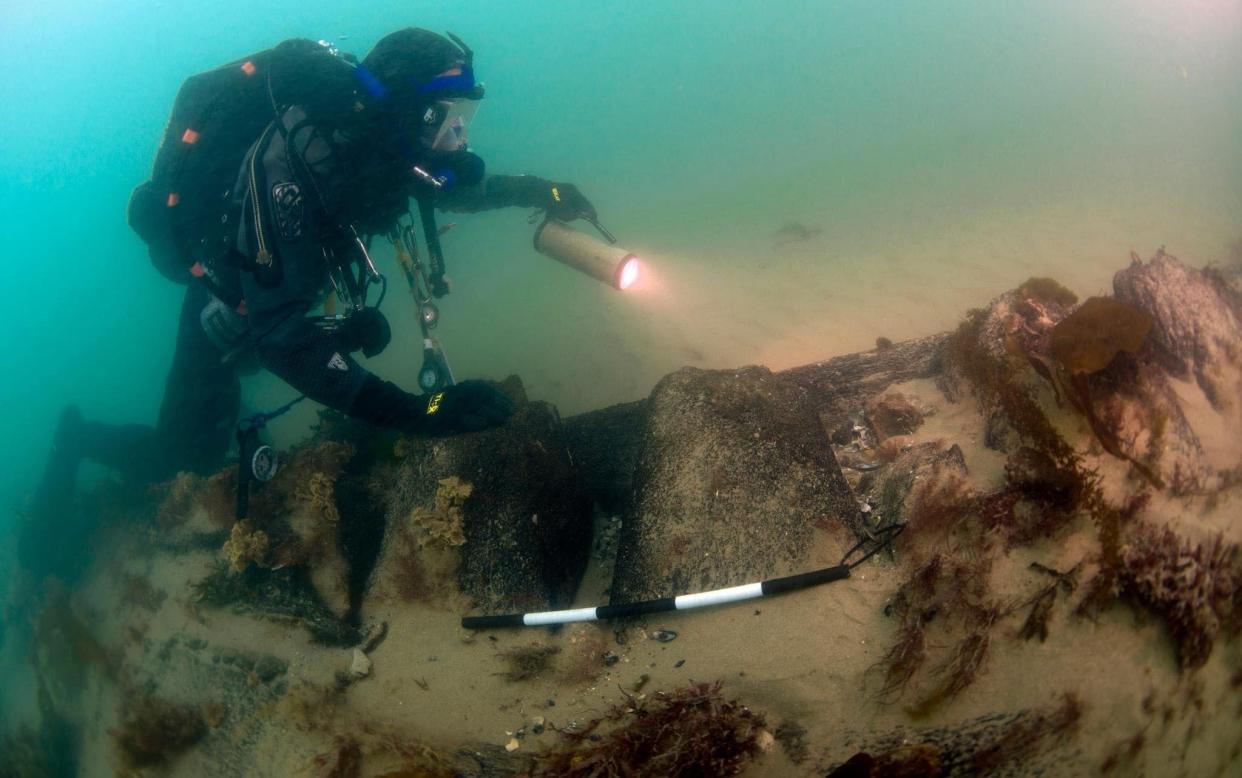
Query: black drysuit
{"points": [[308, 186]]}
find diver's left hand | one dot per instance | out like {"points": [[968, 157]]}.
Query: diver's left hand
{"points": [[367, 331], [566, 203]]}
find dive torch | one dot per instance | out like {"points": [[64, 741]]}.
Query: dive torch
{"points": [[605, 262]]}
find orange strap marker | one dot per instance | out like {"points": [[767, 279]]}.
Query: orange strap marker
{"points": [[247, 67], [189, 137], [197, 270], [173, 199]]}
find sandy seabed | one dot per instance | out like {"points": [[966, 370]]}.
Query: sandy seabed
{"points": [[806, 661]]}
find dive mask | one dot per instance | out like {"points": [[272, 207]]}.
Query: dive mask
{"points": [[445, 123], [452, 100]]}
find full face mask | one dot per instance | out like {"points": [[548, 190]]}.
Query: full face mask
{"points": [[445, 124], [450, 102], [424, 96]]}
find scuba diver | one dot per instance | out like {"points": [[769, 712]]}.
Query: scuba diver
{"points": [[337, 152]]}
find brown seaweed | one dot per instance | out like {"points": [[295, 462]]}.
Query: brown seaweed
{"points": [[1036, 623], [1196, 589], [965, 664], [1046, 290], [1090, 338], [528, 662], [949, 588], [939, 504], [1081, 394], [999, 393], [902, 660], [1086, 342], [691, 731]]}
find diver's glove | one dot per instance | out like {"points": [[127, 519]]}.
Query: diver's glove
{"points": [[466, 407], [564, 202], [367, 331]]}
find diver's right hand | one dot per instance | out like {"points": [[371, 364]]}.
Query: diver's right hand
{"points": [[566, 203], [563, 202]]}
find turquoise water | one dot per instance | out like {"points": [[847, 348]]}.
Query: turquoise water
{"points": [[946, 151]]}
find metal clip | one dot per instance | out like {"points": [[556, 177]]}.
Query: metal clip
{"points": [[427, 178]]}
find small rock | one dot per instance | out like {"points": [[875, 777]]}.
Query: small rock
{"points": [[610, 659], [664, 635], [360, 667], [512, 745], [679, 663], [537, 725], [766, 741]]}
